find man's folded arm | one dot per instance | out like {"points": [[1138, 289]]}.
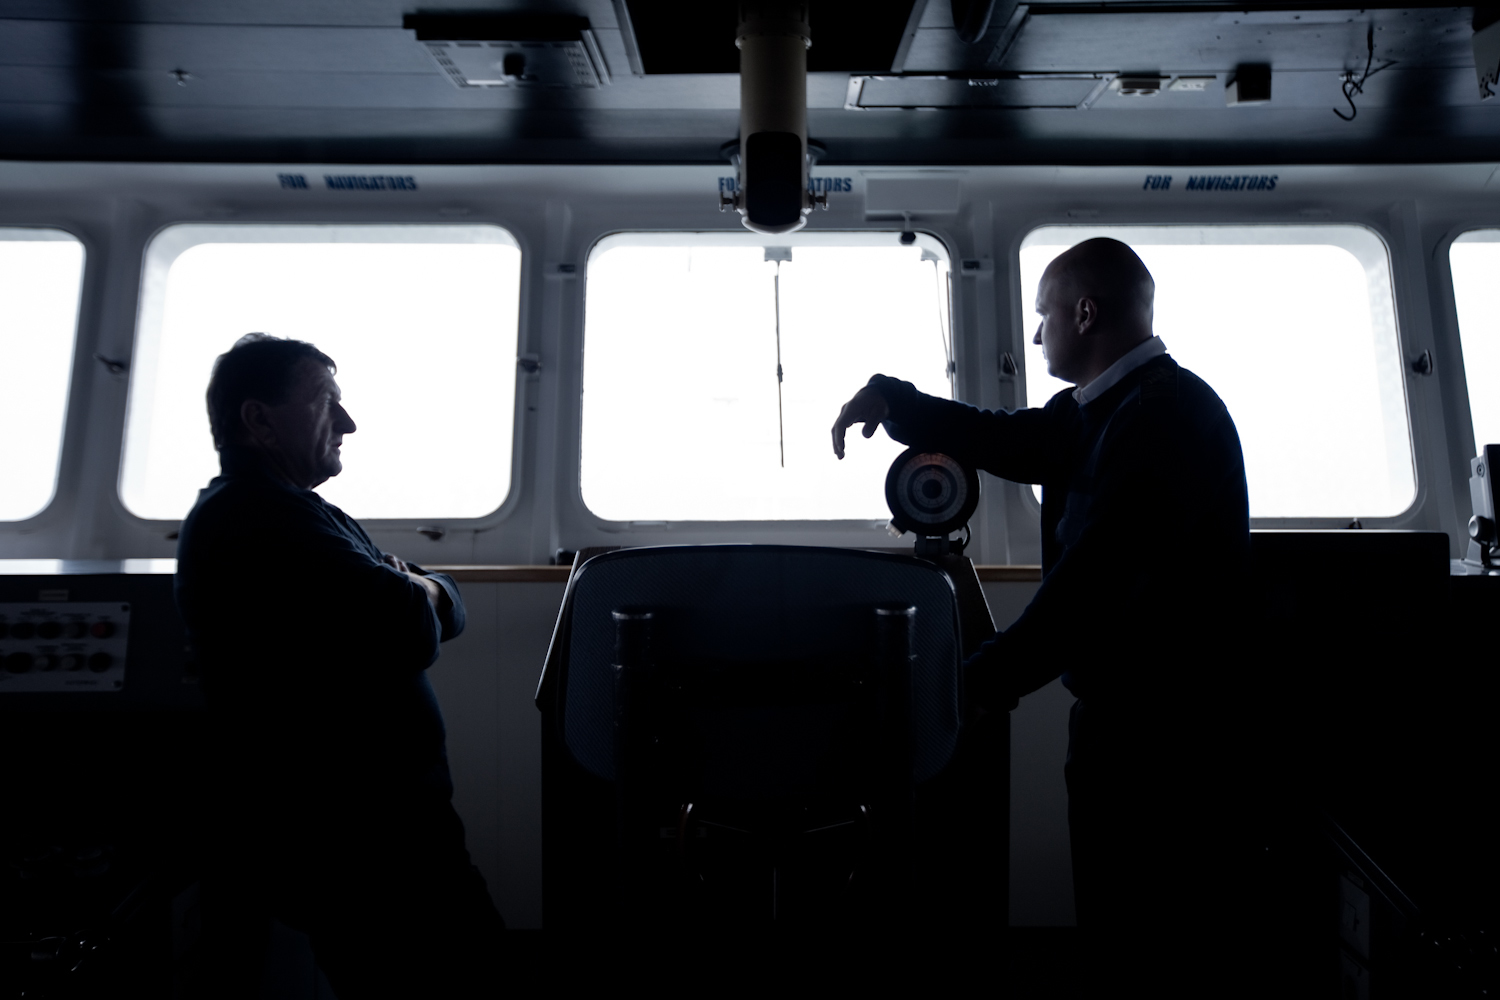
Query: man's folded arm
{"points": [[451, 614], [1017, 446], [370, 608]]}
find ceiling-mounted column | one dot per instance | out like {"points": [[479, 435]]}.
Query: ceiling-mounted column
{"points": [[773, 39]]}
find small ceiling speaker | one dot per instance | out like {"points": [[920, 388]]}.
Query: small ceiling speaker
{"points": [[1251, 85]]}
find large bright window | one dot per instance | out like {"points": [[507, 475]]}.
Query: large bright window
{"points": [[421, 320], [41, 274], [1295, 329], [1475, 260], [715, 364]]}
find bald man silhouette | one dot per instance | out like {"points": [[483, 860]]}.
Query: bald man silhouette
{"points": [[1145, 545]]}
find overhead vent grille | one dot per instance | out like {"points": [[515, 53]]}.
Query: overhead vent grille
{"points": [[512, 50], [1012, 90]]}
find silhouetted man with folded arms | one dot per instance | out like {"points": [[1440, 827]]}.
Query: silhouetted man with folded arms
{"points": [[1145, 546], [333, 808]]}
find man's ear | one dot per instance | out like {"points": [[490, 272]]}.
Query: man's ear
{"points": [[255, 423], [1086, 315]]}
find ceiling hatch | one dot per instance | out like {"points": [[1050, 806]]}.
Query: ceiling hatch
{"points": [[674, 36]]}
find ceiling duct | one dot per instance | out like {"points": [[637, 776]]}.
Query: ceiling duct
{"points": [[971, 18], [772, 193], [512, 50]]}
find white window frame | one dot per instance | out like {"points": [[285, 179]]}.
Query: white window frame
{"points": [[171, 240], [1375, 256], [1461, 385], [56, 234], [871, 531]]}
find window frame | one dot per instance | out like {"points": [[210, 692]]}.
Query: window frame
{"points": [[515, 236], [1457, 388], [1413, 512], [77, 366], [697, 531]]}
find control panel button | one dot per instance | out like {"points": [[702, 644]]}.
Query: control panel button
{"points": [[63, 647]]}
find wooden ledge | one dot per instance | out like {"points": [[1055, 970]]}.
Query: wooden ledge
{"points": [[559, 574], [505, 574], [1009, 574]]}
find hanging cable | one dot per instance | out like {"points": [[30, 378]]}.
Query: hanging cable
{"points": [[945, 324], [1351, 85], [780, 420]]}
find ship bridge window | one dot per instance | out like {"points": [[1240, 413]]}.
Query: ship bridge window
{"points": [[41, 276], [421, 320], [1475, 262], [1295, 328], [715, 363]]}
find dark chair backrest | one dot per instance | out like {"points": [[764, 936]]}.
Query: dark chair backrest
{"points": [[757, 735], [765, 639]]}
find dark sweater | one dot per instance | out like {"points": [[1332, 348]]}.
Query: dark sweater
{"points": [[312, 651], [1145, 530]]}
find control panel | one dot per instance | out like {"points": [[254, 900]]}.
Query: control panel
{"points": [[63, 646]]}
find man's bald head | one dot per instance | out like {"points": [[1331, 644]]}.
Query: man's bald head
{"points": [[1096, 301], [1109, 272]]}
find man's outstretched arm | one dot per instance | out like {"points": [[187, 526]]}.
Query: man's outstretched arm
{"points": [[1018, 446]]}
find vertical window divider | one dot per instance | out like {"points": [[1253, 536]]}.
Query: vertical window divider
{"points": [[780, 410]]}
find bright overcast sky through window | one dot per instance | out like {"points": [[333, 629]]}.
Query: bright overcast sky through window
{"points": [[41, 272], [1475, 259], [680, 407], [421, 320], [1295, 329]]}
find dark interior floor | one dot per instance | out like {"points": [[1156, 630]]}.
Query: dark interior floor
{"points": [[1042, 962], [1028, 963]]}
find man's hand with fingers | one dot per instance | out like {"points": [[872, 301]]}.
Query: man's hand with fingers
{"points": [[868, 407]]}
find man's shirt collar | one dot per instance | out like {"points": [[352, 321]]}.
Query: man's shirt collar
{"points": [[1133, 359], [244, 464]]}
